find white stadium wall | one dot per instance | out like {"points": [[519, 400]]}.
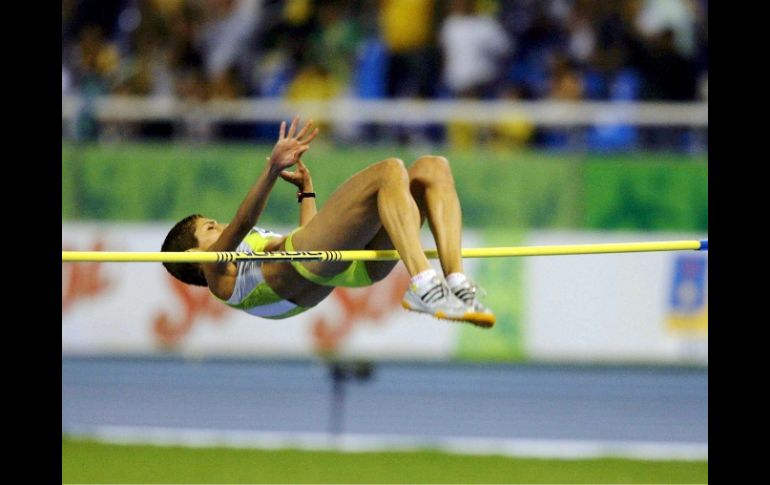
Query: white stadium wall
{"points": [[616, 307]]}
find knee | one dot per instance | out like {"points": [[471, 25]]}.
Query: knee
{"points": [[431, 169], [393, 170]]}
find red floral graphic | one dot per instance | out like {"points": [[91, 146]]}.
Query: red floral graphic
{"points": [[196, 302], [80, 281], [372, 303]]}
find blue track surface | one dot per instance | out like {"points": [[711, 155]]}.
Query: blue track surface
{"points": [[522, 402]]}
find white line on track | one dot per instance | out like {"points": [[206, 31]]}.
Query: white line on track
{"points": [[534, 448]]}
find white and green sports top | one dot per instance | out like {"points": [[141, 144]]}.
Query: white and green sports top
{"points": [[251, 293]]}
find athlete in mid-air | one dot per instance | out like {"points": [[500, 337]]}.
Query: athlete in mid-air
{"points": [[381, 207]]}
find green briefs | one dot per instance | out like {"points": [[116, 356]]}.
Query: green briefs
{"points": [[353, 277], [251, 293]]}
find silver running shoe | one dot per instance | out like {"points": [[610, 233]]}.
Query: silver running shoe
{"points": [[469, 292], [440, 302]]}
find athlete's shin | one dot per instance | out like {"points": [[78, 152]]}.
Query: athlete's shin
{"points": [[434, 187], [400, 216]]}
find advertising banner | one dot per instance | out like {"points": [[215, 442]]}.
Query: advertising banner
{"points": [[636, 307], [632, 308]]}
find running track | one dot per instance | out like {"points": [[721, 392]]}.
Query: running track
{"points": [[430, 401]]}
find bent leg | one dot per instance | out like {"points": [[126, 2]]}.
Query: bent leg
{"points": [[376, 198], [433, 189], [432, 186]]}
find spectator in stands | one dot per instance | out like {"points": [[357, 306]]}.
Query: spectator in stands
{"points": [[670, 75], [474, 48], [566, 84], [544, 35], [656, 16], [96, 63], [336, 40], [313, 82], [226, 38], [566, 80], [407, 29]]}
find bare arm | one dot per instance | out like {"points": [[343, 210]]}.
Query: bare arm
{"points": [[287, 151], [303, 181]]}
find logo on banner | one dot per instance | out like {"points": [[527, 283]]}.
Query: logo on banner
{"points": [[688, 300]]}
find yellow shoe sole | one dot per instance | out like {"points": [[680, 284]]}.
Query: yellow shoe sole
{"points": [[483, 320]]}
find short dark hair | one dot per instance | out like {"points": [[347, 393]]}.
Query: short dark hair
{"points": [[181, 237]]}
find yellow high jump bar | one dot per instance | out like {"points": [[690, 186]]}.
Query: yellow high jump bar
{"points": [[374, 255]]}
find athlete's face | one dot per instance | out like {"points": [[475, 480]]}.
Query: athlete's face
{"points": [[207, 231]]}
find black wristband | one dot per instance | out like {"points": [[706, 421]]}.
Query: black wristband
{"points": [[305, 195]]}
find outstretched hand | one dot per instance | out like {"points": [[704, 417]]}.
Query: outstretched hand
{"points": [[290, 146]]}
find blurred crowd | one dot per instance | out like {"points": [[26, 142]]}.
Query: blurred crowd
{"points": [[200, 50], [523, 49]]}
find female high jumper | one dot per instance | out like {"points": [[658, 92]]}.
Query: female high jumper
{"points": [[381, 207]]}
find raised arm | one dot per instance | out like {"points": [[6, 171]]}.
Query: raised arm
{"points": [[287, 151], [303, 181]]}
